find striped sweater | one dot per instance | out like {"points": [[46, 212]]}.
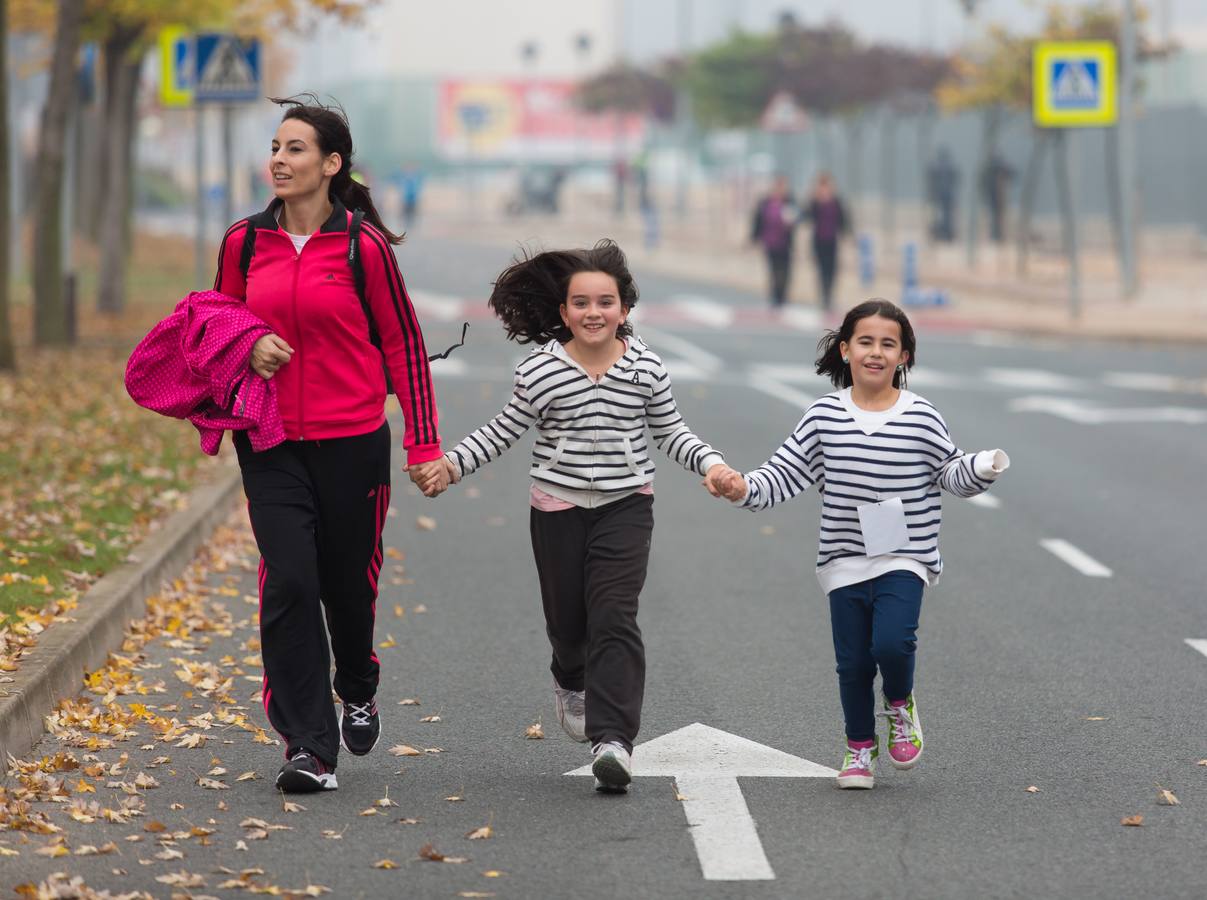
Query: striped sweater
{"points": [[859, 457], [590, 448]]}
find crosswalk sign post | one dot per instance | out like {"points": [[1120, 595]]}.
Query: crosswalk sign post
{"points": [[1074, 84], [228, 72]]}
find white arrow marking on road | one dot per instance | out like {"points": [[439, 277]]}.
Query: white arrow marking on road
{"points": [[697, 356], [781, 391], [1198, 644], [1078, 559], [1083, 414], [706, 764]]}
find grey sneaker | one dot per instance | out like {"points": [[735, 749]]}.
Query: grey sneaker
{"points": [[572, 712], [613, 768]]}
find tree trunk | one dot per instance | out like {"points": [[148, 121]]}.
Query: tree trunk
{"points": [[90, 157], [50, 314], [8, 362], [122, 90]]}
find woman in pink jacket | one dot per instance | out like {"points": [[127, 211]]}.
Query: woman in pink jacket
{"points": [[328, 285]]}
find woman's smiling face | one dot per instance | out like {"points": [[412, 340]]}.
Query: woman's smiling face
{"points": [[298, 165]]}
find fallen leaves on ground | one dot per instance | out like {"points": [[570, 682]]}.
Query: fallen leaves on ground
{"points": [[405, 750], [1166, 797], [385, 864], [425, 523], [534, 732], [1132, 821], [481, 834], [1033, 790], [430, 853]]}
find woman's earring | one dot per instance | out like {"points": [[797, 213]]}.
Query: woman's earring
{"points": [[845, 360]]}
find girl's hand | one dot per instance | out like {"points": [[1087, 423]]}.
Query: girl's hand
{"points": [[453, 475], [269, 354], [723, 481], [430, 477]]}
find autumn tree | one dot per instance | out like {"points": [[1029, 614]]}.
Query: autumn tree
{"points": [[8, 360], [625, 88]]}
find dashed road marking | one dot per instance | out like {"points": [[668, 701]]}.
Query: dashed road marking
{"points": [[1033, 380], [1084, 414], [1198, 644], [1078, 559], [988, 501], [1149, 381], [780, 391], [699, 357], [703, 310]]}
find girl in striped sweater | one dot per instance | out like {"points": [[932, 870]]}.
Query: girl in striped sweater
{"points": [[879, 454], [591, 388]]}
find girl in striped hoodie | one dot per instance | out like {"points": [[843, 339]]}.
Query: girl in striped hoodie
{"points": [[591, 388], [879, 454]]}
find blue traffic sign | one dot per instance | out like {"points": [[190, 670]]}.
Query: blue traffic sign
{"points": [[228, 69]]}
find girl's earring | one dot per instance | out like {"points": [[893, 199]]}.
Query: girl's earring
{"points": [[901, 367]]}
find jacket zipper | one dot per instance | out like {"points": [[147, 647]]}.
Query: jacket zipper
{"points": [[297, 329]]}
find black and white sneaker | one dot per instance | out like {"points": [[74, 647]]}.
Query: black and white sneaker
{"points": [[304, 773], [612, 768], [359, 727]]}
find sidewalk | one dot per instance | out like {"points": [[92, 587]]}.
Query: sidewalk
{"points": [[1170, 306]]}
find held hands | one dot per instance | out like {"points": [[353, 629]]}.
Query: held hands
{"points": [[269, 354], [723, 481], [434, 477]]}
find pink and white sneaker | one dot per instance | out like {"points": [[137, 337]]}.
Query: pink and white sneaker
{"points": [[859, 765], [905, 732]]}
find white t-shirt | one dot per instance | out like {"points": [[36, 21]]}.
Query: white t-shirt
{"points": [[299, 240]]}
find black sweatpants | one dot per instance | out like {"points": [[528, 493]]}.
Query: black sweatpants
{"points": [[825, 254], [779, 265], [592, 565], [317, 509]]}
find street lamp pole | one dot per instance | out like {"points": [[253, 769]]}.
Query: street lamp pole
{"points": [[1127, 148]]}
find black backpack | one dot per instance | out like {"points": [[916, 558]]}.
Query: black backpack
{"points": [[358, 278]]}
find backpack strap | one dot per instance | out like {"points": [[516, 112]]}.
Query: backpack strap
{"points": [[249, 247], [356, 264]]}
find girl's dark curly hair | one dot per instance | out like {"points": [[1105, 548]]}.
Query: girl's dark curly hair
{"points": [[529, 293], [829, 354]]}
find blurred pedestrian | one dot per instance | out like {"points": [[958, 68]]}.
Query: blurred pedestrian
{"points": [[995, 184], [591, 389], [942, 188], [828, 215], [775, 220], [318, 267], [410, 184], [881, 454]]}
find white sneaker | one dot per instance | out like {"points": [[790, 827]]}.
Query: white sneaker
{"points": [[612, 768], [572, 712]]}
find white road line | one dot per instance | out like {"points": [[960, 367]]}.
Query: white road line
{"points": [[703, 310], [801, 318], [1084, 414], [1148, 381], [1198, 644], [780, 391], [1078, 559], [988, 501], [697, 356], [444, 307], [1033, 380]]}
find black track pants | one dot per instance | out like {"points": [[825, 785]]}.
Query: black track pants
{"points": [[592, 565], [317, 509]]}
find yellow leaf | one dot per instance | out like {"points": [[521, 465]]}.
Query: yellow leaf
{"points": [[493, 873], [212, 784], [289, 807], [248, 776], [394, 553], [398, 610], [481, 834], [405, 750], [1166, 797], [83, 787], [388, 642], [534, 732], [7, 851], [368, 812], [1133, 821], [385, 864]]}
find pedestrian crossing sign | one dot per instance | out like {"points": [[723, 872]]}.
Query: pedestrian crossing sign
{"points": [[228, 68], [1074, 84]]}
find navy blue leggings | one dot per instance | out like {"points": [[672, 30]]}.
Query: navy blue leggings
{"points": [[875, 624]]}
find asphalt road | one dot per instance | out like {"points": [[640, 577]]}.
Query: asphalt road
{"points": [[1031, 672]]}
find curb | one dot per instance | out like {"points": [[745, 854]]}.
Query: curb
{"points": [[65, 651]]}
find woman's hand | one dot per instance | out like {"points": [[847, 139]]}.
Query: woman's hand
{"points": [[269, 354], [434, 477], [722, 481]]}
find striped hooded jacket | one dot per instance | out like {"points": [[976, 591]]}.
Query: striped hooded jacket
{"points": [[591, 446]]}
